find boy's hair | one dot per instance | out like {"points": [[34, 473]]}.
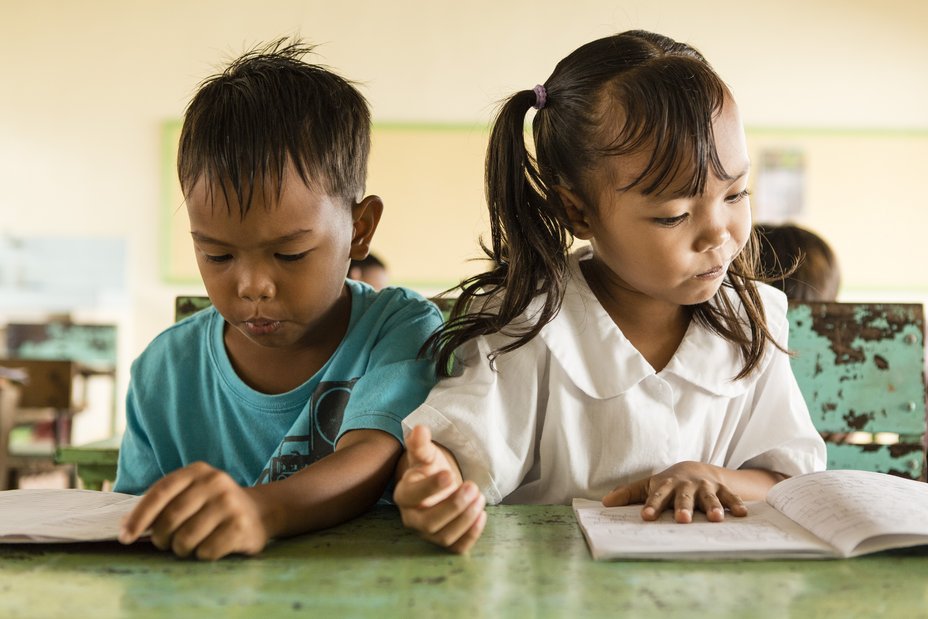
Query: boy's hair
{"points": [[798, 262], [670, 96], [269, 108]]}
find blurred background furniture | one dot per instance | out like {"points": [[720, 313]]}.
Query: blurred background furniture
{"points": [[860, 367], [44, 399]]}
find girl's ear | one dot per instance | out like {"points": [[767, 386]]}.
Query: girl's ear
{"points": [[577, 213], [366, 215]]}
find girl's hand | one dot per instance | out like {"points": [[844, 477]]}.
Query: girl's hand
{"points": [[685, 486], [198, 510], [434, 500]]}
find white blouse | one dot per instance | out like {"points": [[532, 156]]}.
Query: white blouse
{"points": [[578, 410]]}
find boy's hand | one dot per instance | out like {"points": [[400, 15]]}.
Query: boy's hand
{"points": [[198, 510], [434, 500], [684, 486]]}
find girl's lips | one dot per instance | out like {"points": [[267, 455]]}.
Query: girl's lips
{"points": [[261, 327], [713, 273]]}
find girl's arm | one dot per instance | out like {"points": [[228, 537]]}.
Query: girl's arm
{"points": [[694, 485], [200, 510], [433, 497]]}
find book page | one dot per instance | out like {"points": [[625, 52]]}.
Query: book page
{"points": [[619, 532], [846, 508], [62, 515]]}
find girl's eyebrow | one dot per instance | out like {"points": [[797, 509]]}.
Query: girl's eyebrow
{"points": [[287, 238], [682, 193]]}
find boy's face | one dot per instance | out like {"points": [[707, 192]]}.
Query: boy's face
{"points": [[277, 275]]}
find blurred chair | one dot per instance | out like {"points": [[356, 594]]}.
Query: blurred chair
{"points": [[92, 346], [860, 368], [44, 395]]}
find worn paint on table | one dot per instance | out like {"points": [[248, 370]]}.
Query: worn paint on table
{"points": [[860, 368], [530, 562]]}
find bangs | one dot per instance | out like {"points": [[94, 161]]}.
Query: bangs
{"points": [[235, 148], [673, 123]]}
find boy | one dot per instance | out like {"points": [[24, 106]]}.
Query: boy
{"points": [[277, 410]]}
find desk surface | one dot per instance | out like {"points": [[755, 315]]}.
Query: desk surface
{"points": [[531, 562]]}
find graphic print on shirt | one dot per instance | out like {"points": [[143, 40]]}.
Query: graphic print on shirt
{"points": [[325, 413]]}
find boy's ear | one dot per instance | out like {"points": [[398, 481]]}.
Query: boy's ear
{"points": [[365, 215], [577, 213]]}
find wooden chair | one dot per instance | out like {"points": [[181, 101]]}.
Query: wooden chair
{"points": [[92, 346], [860, 367], [45, 395]]}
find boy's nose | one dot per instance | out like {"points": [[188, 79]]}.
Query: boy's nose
{"points": [[254, 286]]}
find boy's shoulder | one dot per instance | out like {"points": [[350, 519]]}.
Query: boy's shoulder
{"points": [[180, 338], [389, 301]]}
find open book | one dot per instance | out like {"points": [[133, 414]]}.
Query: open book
{"points": [[831, 514], [29, 516]]}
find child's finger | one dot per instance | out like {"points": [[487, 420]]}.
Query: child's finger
{"points": [[658, 500], [437, 523], [417, 490], [451, 520], [470, 537], [181, 508], [683, 502], [732, 501], [420, 450], [153, 503], [635, 492]]}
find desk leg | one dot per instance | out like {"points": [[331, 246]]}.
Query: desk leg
{"points": [[92, 476]]}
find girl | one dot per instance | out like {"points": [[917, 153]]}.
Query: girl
{"points": [[647, 367]]}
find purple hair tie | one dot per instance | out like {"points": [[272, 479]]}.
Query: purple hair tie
{"points": [[541, 96]]}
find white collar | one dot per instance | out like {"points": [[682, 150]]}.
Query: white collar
{"points": [[601, 361]]}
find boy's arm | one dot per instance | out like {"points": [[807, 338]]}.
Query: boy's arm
{"points": [[201, 510], [337, 488]]}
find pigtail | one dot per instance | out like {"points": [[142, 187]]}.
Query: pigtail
{"points": [[529, 247]]}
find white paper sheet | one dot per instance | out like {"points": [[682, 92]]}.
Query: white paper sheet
{"points": [[62, 515]]}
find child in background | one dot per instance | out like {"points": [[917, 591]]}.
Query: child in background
{"points": [[277, 410], [802, 264], [648, 367], [371, 270]]}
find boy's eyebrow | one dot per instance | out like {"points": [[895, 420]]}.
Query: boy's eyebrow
{"points": [[287, 238]]}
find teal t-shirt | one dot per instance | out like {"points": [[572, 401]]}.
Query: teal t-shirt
{"points": [[186, 403]]}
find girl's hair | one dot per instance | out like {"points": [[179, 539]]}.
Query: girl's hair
{"points": [[799, 262], [670, 96], [268, 108]]}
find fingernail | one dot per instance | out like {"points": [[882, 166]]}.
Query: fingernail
{"points": [[648, 511]]}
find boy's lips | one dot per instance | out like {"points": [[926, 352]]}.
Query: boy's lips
{"points": [[261, 326]]}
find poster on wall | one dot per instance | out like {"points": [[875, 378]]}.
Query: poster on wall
{"points": [[779, 191]]}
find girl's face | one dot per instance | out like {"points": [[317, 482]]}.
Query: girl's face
{"points": [[667, 247]]}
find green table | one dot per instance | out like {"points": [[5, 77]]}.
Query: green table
{"points": [[95, 463], [531, 562]]}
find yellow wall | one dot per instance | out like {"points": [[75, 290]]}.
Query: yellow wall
{"points": [[86, 87]]}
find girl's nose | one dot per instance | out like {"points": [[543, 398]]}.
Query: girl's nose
{"points": [[714, 233]]}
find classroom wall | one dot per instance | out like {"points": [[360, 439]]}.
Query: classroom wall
{"points": [[87, 87]]}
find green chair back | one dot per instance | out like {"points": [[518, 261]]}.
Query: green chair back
{"points": [[860, 367]]}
